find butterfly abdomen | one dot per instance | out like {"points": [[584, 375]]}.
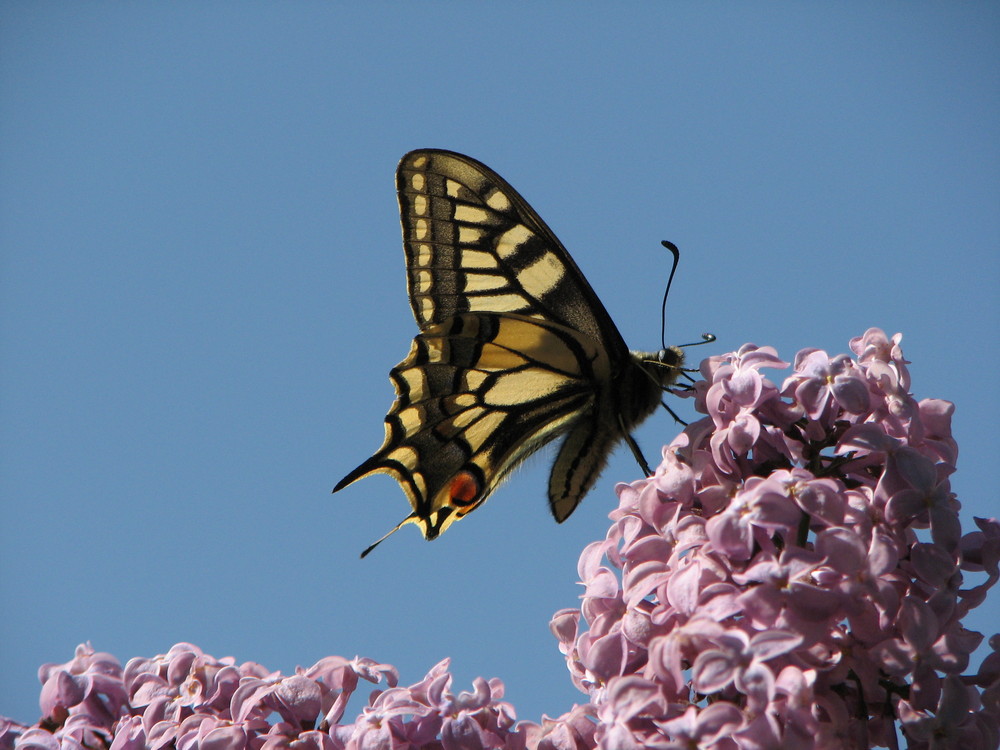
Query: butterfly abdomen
{"points": [[630, 393]]}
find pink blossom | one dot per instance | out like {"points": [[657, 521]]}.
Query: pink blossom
{"points": [[794, 574], [805, 600]]}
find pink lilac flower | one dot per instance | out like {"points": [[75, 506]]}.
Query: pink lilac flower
{"points": [[792, 575], [778, 563], [189, 700]]}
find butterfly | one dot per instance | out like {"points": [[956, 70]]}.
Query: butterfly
{"points": [[514, 351]]}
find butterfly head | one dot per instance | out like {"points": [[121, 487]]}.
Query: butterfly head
{"points": [[662, 367]]}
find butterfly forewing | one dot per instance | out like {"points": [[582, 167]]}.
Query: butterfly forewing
{"points": [[515, 349], [473, 244]]}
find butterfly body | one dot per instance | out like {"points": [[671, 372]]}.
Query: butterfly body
{"points": [[514, 350]]}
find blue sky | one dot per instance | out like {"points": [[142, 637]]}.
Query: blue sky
{"points": [[202, 288]]}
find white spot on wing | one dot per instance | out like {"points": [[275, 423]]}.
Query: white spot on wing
{"points": [[499, 303], [405, 455], [471, 214], [427, 308], [478, 259], [480, 282], [542, 276], [510, 241], [424, 281], [498, 201], [517, 387], [469, 235]]}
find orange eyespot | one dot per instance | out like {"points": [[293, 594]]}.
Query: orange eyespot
{"points": [[464, 488]]}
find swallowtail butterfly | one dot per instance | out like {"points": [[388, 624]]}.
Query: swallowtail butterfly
{"points": [[514, 350]]}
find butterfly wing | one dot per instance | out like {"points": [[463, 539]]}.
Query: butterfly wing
{"points": [[473, 244], [515, 349], [477, 395]]}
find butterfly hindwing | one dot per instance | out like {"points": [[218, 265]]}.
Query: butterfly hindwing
{"points": [[477, 395], [514, 350]]}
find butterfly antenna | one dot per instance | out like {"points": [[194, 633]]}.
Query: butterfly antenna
{"points": [[706, 338], [663, 308]]}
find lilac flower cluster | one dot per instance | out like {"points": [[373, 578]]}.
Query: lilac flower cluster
{"points": [[791, 576], [188, 700]]}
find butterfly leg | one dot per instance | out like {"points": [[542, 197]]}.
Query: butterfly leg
{"points": [[634, 447], [673, 414]]}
